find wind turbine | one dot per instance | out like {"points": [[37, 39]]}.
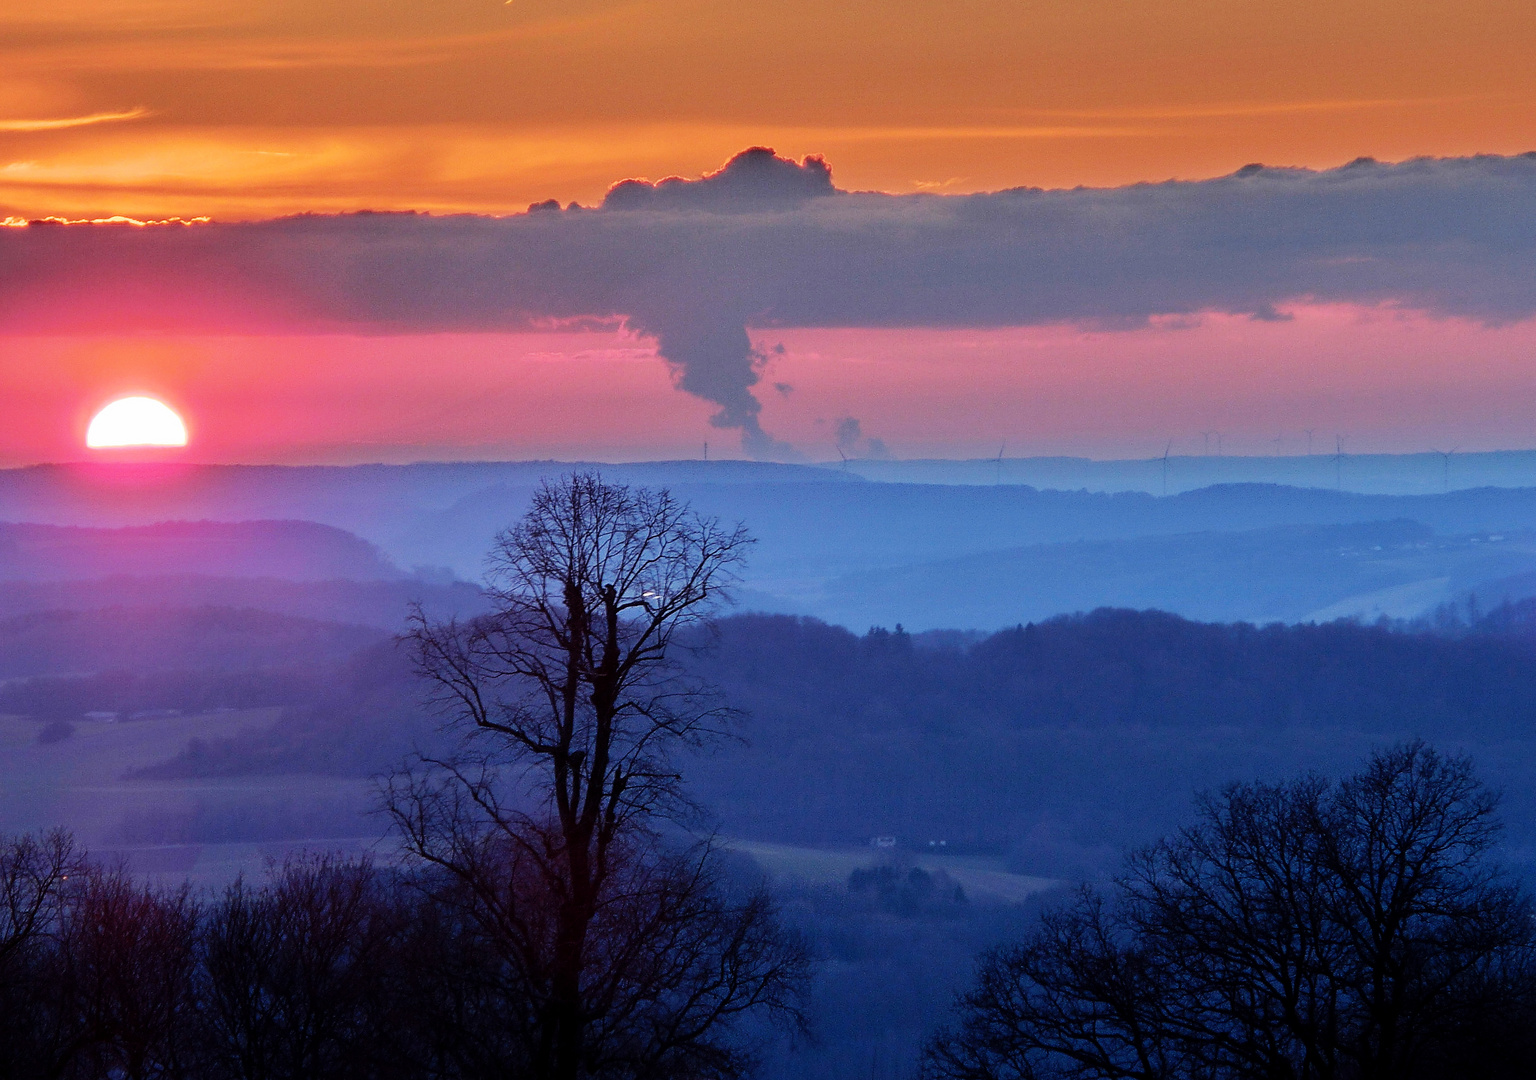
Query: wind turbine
{"points": [[1000, 450], [844, 457], [1338, 461], [1166, 451], [1446, 454]]}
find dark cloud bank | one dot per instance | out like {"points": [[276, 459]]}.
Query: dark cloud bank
{"points": [[768, 242]]}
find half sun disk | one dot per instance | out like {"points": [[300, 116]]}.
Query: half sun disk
{"points": [[136, 421]]}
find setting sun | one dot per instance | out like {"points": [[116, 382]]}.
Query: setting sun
{"points": [[136, 421]]}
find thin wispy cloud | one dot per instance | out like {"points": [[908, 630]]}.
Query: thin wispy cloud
{"points": [[1113, 123], [938, 133], [1218, 111], [58, 123], [267, 46]]}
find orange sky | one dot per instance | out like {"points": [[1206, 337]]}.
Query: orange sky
{"points": [[250, 108]]}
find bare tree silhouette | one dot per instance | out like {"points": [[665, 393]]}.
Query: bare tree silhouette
{"points": [[127, 970], [1302, 930], [301, 977], [36, 1039], [616, 955]]}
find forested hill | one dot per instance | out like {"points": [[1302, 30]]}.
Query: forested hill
{"points": [[1053, 743], [1148, 668], [1063, 740]]}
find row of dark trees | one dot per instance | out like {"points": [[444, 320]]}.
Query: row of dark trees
{"points": [[1311, 930], [338, 968]]}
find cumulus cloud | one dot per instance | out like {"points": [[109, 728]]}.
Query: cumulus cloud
{"points": [[769, 242], [754, 180]]}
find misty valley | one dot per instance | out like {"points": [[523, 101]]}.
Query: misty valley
{"points": [[942, 705]]}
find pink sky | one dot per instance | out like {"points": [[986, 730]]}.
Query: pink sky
{"points": [[1390, 381]]}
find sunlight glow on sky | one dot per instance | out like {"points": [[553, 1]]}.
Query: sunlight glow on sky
{"points": [[1380, 378]]}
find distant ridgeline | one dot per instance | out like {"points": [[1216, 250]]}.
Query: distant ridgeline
{"points": [[849, 550], [1191, 465], [200, 594], [290, 550]]}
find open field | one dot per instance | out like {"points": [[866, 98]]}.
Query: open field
{"points": [[210, 830], [207, 830]]}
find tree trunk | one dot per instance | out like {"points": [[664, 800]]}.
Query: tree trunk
{"points": [[569, 1012]]}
